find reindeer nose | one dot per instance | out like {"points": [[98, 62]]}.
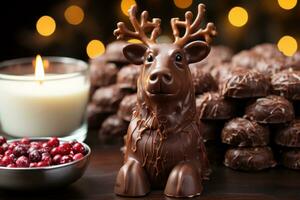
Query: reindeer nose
{"points": [[161, 75]]}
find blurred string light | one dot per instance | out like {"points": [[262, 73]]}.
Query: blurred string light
{"points": [[74, 15], [287, 4], [126, 4], [45, 26], [287, 45], [238, 16], [95, 48], [135, 41], [183, 3]]}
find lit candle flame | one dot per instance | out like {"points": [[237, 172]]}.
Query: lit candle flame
{"points": [[39, 69]]}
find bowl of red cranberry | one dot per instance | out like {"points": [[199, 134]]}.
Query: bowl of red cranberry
{"points": [[41, 163]]}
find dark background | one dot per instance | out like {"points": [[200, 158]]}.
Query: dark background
{"points": [[267, 23]]}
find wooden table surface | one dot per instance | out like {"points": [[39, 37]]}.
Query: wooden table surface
{"points": [[98, 181]]}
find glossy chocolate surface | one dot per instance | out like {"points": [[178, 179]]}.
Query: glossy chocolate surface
{"points": [[102, 73], [245, 133], [249, 159], [271, 109], [127, 106], [113, 127], [128, 75], [289, 135], [287, 84], [245, 83], [164, 146], [291, 159], [203, 82], [213, 106], [107, 99]]}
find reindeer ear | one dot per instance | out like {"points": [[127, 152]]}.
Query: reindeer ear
{"points": [[196, 51], [135, 53]]}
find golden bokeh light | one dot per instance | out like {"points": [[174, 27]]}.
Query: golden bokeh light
{"points": [[74, 15], [126, 4], [95, 48], [287, 4], [45, 26], [135, 41], [287, 45], [238, 16], [183, 3]]}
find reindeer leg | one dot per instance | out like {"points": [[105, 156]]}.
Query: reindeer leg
{"points": [[184, 181], [132, 180]]}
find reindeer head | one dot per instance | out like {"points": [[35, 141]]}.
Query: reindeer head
{"points": [[165, 71]]}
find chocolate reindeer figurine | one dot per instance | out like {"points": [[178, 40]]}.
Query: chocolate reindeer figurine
{"points": [[164, 147]]}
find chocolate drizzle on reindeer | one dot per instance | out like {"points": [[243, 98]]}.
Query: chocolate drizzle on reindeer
{"points": [[164, 147]]}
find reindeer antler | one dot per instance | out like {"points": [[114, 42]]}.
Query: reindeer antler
{"points": [[140, 29], [192, 30]]}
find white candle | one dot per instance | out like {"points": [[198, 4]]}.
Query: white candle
{"points": [[43, 108]]}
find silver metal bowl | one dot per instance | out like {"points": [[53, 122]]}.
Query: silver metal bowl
{"points": [[43, 177]]}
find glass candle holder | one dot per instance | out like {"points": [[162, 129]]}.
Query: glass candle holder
{"points": [[52, 106]]}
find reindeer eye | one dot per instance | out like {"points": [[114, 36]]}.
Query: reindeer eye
{"points": [[149, 58], [178, 58]]}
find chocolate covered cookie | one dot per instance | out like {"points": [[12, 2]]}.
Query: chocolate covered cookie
{"points": [[128, 75], [293, 61], [288, 135], [245, 83], [114, 53], [291, 158], [102, 73], [271, 109], [203, 82], [107, 99], [95, 116], [213, 106], [126, 107], [245, 133], [211, 130], [249, 159], [113, 126], [287, 84]]}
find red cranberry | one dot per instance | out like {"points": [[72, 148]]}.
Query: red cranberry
{"points": [[66, 159], [45, 150], [13, 157], [46, 157], [53, 142], [77, 156], [22, 162], [33, 164], [55, 151], [42, 164], [65, 148], [2, 151], [8, 152], [35, 145], [45, 145], [35, 156], [12, 145], [2, 140], [78, 148], [25, 141], [5, 146], [56, 159], [20, 150], [12, 165], [6, 160]]}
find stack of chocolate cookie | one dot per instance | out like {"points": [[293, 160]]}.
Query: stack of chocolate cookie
{"points": [[264, 85], [112, 96], [287, 84]]}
